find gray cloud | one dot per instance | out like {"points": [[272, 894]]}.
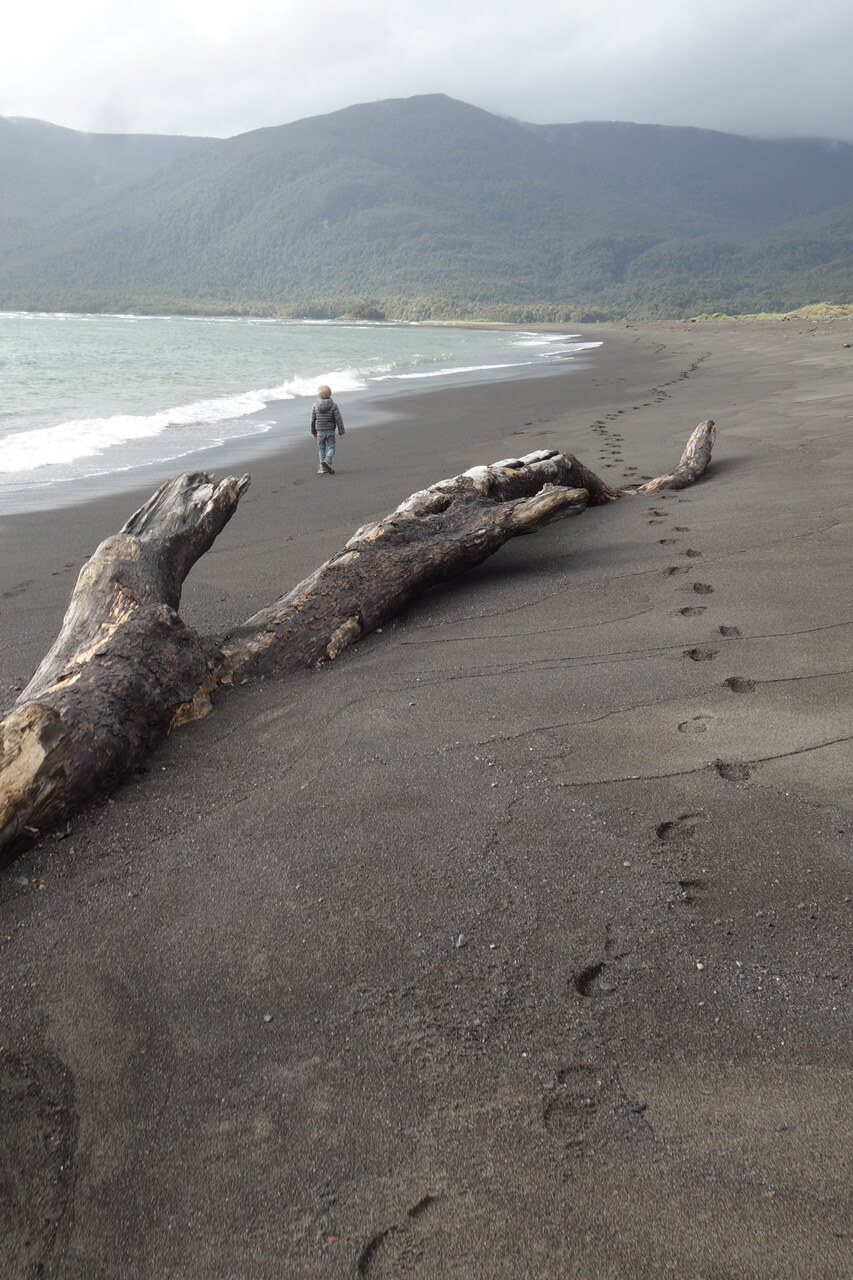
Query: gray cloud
{"points": [[765, 67]]}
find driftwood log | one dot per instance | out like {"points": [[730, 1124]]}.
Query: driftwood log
{"points": [[432, 536], [125, 669]]}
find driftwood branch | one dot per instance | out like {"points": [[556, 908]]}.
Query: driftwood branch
{"points": [[693, 463], [125, 669]]}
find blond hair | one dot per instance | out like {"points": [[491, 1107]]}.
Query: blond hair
{"points": [[324, 392]]}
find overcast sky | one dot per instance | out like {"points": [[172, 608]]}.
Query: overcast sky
{"points": [[221, 67]]}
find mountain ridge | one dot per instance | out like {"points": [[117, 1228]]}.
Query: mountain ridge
{"points": [[430, 205]]}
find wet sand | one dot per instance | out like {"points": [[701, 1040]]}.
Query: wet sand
{"points": [[516, 942]]}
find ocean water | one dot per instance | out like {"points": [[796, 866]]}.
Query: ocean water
{"points": [[97, 403]]}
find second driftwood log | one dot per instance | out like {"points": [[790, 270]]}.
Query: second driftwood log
{"points": [[434, 535]]}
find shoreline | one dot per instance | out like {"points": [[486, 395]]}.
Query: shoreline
{"points": [[615, 759], [276, 425]]}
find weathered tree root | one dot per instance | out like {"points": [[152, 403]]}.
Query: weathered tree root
{"points": [[122, 665], [125, 669], [694, 461]]}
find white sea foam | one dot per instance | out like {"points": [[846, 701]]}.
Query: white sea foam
{"points": [[80, 438], [90, 437], [454, 370], [544, 339], [340, 380]]}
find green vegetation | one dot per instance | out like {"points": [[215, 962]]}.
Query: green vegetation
{"points": [[814, 311], [428, 209]]}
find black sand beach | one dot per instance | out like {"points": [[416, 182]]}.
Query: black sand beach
{"points": [[516, 942]]}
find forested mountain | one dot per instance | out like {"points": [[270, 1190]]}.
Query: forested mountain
{"points": [[44, 168], [428, 206]]}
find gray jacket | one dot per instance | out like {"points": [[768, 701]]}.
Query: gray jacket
{"points": [[326, 416]]}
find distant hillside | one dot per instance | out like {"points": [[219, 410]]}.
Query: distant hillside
{"points": [[428, 206], [44, 168]]}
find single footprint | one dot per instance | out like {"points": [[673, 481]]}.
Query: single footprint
{"points": [[692, 610], [739, 684], [571, 1107], [391, 1250], [702, 588], [730, 632], [680, 828], [691, 553], [690, 890], [698, 724], [585, 978], [701, 654], [733, 771]]}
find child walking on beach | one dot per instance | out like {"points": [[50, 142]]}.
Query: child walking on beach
{"points": [[325, 420]]}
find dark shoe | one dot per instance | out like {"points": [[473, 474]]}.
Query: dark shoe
{"points": [[327, 467]]}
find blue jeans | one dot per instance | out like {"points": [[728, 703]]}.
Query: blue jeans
{"points": [[326, 446]]}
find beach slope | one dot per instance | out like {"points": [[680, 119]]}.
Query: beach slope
{"points": [[515, 942]]}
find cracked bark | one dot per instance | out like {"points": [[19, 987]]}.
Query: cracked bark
{"points": [[122, 666]]}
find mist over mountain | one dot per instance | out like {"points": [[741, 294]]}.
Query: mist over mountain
{"points": [[44, 167], [424, 206]]}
